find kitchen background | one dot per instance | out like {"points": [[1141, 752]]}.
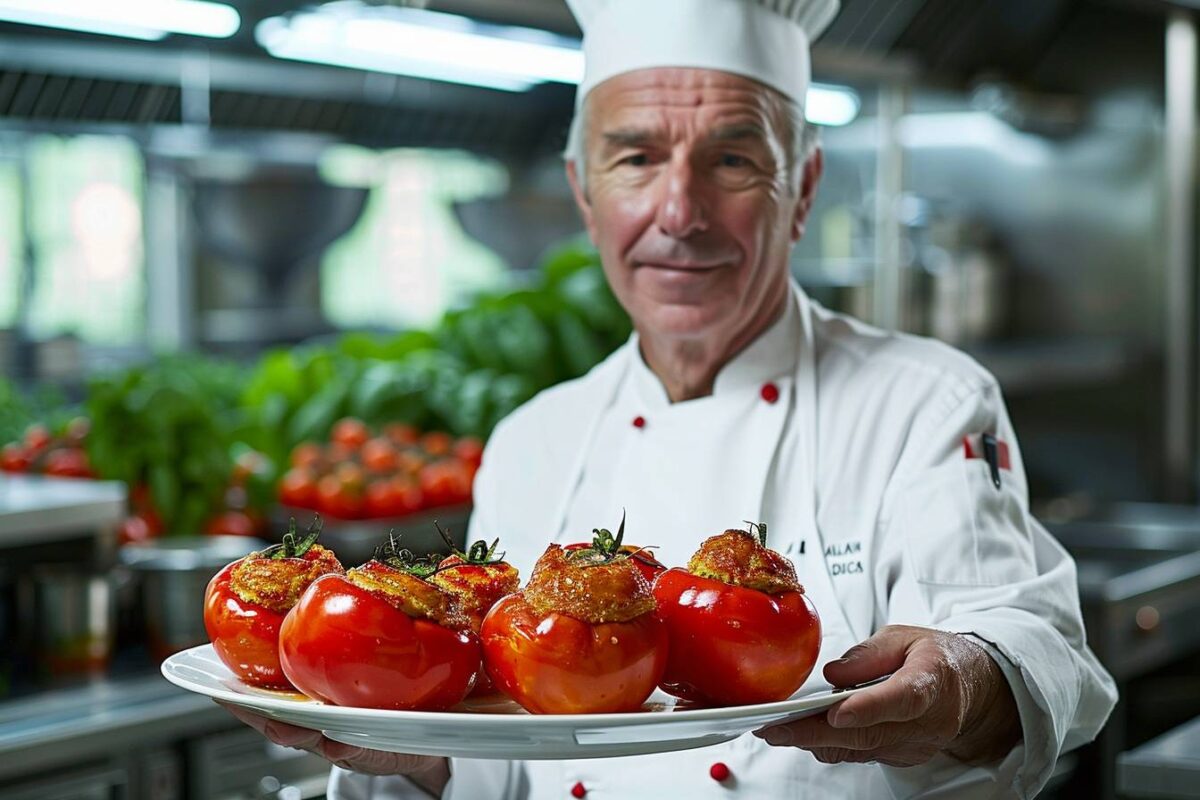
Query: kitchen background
{"points": [[223, 232]]}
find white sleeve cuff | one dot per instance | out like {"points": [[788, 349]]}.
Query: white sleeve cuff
{"points": [[1022, 773], [1027, 767], [470, 779], [474, 778]]}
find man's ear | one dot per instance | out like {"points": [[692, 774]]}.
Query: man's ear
{"points": [[581, 200], [814, 168]]}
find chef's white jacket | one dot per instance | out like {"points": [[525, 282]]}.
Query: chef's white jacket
{"points": [[849, 443]]}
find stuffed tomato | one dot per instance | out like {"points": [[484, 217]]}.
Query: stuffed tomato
{"points": [[381, 636], [741, 629], [246, 602], [582, 637]]}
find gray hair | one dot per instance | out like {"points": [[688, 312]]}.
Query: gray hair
{"points": [[803, 136]]}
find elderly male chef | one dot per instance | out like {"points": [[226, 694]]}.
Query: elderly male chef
{"points": [[885, 465]]}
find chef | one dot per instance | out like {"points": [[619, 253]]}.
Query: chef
{"points": [[884, 465]]}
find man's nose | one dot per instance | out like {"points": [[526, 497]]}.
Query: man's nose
{"points": [[681, 210]]}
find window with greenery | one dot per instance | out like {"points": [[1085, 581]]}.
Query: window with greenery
{"points": [[85, 196], [407, 259], [10, 241]]}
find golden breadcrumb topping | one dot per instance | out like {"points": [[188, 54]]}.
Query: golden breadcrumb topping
{"points": [[738, 558], [477, 586], [277, 583], [414, 596], [593, 592]]}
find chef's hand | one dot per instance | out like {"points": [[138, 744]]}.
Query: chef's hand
{"points": [[431, 773], [946, 694]]}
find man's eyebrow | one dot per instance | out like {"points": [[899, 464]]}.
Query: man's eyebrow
{"points": [[628, 137], [738, 131]]}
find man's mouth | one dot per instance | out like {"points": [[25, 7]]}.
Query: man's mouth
{"points": [[679, 266]]}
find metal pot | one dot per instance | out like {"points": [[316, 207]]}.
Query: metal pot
{"points": [[173, 574], [74, 617]]}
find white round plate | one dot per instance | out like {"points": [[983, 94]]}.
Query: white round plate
{"points": [[496, 727]]}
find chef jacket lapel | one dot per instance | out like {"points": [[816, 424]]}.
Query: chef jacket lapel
{"points": [[797, 502]]}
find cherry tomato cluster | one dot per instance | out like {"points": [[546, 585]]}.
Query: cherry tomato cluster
{"points": [[595, 629], [42, 453], [364, 474]]}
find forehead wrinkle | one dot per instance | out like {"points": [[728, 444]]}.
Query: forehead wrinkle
{"points": [[738, 131]]}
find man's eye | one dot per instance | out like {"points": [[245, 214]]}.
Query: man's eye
{"points": [[636, 160], [734, 160]]}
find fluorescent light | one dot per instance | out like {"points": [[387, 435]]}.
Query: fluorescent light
{"points": [[449, 47], [135, 19], [831, 105], [423, 44]]}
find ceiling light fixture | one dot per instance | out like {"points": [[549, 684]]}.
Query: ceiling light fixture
{"points": [[448, 47], [423, 44], [134, 19], [832, 106]]}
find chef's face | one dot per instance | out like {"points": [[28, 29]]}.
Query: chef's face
{"points": [[689, 199]]}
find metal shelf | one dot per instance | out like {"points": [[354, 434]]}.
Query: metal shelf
{"points": [[35, 510], [1036, 365], [62, 726]]}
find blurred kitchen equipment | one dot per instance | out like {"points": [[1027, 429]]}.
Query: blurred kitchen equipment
{"points": [[1038, 112], [1166, 767], [173, 573], [73, 617], [263, 231], [960, 292], [1139, 584], [520, 226]]}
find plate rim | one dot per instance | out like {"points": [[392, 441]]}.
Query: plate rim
{"points": [[778, 708]]}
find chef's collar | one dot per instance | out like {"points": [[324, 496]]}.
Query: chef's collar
{"points": [[769, 358]]}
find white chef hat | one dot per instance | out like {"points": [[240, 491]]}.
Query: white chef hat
{"points": [[767, 40]]}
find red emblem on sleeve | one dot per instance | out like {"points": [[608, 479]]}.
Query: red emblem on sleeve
{"points": [[973, 447]]}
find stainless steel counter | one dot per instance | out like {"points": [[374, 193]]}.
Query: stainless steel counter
{"points": [[35, 509], [140, 738], [56, 727], [1166, 767]]}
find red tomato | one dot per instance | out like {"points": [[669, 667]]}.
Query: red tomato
{"points": [[469, 450], [15, 458], [68, 462], [350, 432], [135, 529], [408, 493], [732, 645], [446, 482], [338, 453], [437, 443], [411, 461], [37, 437], [307, 454], [556, 664], [643, 559], [298, 488], [339, 498], [244, 633], [232, 523], [382, 499], [349, 646], [402, 435], [379, 455]]}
